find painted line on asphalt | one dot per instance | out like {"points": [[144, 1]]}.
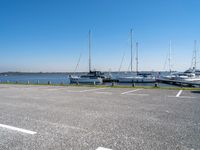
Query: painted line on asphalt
{"points": [[179, 93], [102, 148], [17, 129], [127, 92], [90, 90]]}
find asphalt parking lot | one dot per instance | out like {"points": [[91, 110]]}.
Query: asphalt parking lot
{"points": [[88, 118]]}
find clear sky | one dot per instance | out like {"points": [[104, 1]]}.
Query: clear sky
{"points": [[50, 35]]}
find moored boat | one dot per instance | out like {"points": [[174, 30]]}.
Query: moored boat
{"points": [[93, 77]]}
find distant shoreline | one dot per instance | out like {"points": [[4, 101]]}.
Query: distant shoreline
{"points": [[7, 73]]}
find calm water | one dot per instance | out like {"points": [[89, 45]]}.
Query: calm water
{"points": [[55, 78]]}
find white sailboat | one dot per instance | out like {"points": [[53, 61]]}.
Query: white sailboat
{"points": [[93, 77], [139, 77], [171, 75], [190, 75]]}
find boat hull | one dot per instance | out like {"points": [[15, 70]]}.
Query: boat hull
{"points": [[136, 80], [79, 80]]}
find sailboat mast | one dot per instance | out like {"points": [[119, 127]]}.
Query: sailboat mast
{"points": [[170, 49], [131, 34], [89, 50], [195, 54], [137, 58]]}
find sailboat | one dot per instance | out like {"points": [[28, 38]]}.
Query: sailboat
{"points": [[171, 74], [93, 77], [139, 77], [190, 75]]}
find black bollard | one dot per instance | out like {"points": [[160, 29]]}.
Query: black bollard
{"points": [[113, 83], [156, 84], [133, 84]]}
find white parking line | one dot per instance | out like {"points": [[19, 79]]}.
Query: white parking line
{"points": [[131, 91], [179, 93], [17, 129], [90, 90], [102, 148]]}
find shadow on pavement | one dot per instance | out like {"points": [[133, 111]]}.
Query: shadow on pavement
{"points": [[197, 92]]}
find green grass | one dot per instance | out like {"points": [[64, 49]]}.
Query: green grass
{"points": [[106, 86]]}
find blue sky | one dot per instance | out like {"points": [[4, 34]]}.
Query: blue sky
{"points": [[49, 35]]}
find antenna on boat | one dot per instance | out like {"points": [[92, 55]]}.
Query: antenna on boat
{"points": [[136, 58], [89, 50], [131, 34]]}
